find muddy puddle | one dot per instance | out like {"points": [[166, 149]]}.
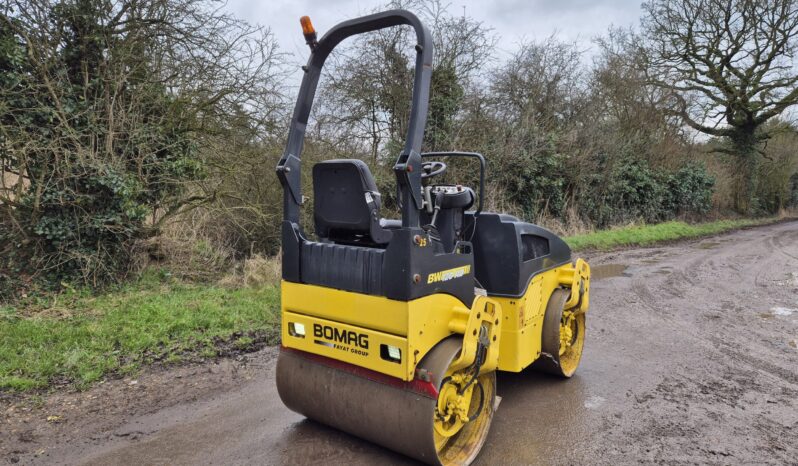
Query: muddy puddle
{"points": [[600, 272]]}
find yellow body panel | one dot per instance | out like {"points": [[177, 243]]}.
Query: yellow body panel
{"points": [[361, 310], [353, 327], [347, 350], [523, 316], [523, 322], [418, 324]]}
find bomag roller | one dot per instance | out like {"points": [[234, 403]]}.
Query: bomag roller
{"points": [[393, 330]]}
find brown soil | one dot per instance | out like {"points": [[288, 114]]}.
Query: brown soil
{"points": [[690, 358]]}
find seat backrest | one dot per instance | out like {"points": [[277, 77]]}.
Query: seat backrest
{"points": [[346, 203]]}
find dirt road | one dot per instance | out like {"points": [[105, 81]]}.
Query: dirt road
{"points": [[690, 358]]}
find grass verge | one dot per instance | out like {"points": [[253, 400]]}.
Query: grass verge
{"points": [[645, 235], [82, 338]]}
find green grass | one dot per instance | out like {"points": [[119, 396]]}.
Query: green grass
{"points": [[644, 235], [85, 338]]}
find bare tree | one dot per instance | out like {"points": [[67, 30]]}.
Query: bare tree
{"points": [[728, 68], [369, 84], [541, 84], [629, 108]]}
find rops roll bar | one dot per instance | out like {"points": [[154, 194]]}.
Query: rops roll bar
{"points": [[408, 165]]}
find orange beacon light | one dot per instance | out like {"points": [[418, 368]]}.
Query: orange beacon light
{"points": [[308, 31]]}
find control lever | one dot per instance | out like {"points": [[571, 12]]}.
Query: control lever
{"points": [[428, 199], [436, 236], [437, 208]]}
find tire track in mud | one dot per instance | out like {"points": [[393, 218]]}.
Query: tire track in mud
{"points": [[787, 374], [730, 398], [779, 242]]}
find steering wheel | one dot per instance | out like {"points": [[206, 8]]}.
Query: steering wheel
{"points": [[432, 168]]}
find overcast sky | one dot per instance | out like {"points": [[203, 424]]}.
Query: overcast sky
{"points": [[512, 20]]}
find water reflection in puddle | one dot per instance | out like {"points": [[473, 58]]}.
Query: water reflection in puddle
{"points": [[600, 272]]}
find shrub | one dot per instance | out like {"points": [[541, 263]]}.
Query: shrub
{"points": [[631, 190], [536, 182], [777, 171], [689, 191]]}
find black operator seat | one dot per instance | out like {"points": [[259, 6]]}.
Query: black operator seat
{"points": [[346, 203]]}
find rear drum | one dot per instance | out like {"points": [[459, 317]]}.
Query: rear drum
{"points": [[403, 416]]}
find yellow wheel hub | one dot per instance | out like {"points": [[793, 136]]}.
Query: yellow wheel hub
{"points": [[453, 406], [461, 420], [572, 339], [568, 331]]}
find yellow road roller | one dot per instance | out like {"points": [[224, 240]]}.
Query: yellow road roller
{"points": [[393, 330]]}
